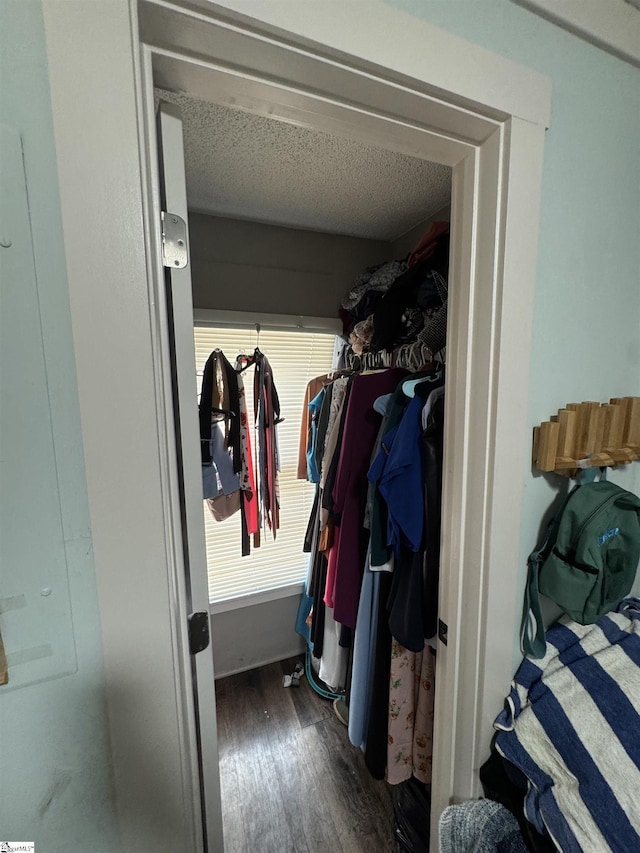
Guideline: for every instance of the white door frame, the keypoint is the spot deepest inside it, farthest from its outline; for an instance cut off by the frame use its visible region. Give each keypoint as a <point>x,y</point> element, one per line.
<point>191,52</point>
<point>439,98</point>
<point>175,328</point>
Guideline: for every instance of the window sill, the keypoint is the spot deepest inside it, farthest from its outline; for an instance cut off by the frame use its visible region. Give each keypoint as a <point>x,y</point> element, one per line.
<point>256,598</point>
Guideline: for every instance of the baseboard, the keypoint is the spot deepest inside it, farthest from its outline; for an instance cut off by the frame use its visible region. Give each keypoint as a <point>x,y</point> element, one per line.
<point>282,656</point>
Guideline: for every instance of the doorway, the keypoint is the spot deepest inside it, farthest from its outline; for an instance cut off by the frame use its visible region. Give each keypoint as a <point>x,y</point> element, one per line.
<point>331,252</point>
<point>487,116</point>
<point>476,489</point>
<point>286,219</point>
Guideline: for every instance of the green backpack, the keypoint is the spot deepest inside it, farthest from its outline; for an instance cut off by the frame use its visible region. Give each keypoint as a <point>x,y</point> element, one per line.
<point>587,561</point>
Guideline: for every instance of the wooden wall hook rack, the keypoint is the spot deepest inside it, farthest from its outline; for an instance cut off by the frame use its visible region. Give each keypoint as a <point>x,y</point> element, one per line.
<point>588,435</point>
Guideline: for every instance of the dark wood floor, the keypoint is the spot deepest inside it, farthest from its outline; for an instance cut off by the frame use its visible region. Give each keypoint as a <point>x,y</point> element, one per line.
<point>291,781</point>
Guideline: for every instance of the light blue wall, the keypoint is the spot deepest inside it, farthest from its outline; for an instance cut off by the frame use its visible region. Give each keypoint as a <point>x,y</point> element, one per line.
<point>55,786</point>
<point>586,328</point>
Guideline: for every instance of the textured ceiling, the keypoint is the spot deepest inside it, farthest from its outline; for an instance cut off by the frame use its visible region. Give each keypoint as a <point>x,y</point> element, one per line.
<point>245,166</point>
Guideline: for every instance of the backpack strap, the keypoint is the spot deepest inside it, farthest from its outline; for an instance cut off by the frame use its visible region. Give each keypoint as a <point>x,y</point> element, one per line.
<point>588,475</point>
<point>532,635</point>
<point>532,638</point>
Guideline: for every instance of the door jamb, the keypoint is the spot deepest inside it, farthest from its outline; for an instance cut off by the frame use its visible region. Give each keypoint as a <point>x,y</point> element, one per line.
<point>179,595</point>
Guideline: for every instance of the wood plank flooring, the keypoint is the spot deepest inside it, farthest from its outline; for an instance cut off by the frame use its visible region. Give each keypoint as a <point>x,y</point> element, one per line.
<point>291,780</point>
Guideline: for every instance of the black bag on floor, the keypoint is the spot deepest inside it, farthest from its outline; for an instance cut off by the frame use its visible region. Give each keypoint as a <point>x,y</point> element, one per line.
<point>412,809</point>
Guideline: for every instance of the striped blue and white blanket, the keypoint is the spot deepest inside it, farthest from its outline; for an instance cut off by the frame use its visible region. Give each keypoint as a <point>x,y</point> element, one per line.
<point>571,723</point>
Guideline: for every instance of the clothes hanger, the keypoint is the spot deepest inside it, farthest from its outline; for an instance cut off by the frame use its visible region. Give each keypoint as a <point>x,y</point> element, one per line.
<point>421,355</point>
<point>248,360</point>
<point>404,356</point>
<point>409,385</point>
<point>373,361</point>
<point>339,372</point>
<point>226,412</point>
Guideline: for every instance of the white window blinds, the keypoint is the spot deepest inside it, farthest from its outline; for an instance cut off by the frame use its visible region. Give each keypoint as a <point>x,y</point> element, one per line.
<point>296,357</point>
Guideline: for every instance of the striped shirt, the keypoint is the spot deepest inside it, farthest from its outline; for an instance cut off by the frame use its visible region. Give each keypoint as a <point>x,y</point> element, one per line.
<point>571,724</point>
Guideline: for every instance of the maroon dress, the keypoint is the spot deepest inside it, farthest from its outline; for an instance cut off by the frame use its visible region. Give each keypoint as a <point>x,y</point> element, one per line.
<point>350,488</point>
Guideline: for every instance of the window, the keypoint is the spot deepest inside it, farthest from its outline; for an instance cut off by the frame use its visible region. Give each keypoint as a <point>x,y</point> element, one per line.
<point>296,357</point>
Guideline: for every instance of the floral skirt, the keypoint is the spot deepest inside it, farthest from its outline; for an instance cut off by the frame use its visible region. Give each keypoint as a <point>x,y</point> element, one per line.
<point>411,694</point>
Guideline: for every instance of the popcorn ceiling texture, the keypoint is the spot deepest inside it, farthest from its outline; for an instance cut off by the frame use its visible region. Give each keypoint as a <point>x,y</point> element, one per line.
<point>249,167</point>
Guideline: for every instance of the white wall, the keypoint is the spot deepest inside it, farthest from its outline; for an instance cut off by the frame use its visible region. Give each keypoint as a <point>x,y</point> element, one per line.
<point>405,243</point>
<point>238,265</point>
<point>56,785</point>
<point>247,637</point>
<point>95,121</point>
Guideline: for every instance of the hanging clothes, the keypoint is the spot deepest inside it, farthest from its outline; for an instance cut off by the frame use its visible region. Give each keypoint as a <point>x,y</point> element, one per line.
<point>321,533</point>
<point>433,439</point>
<point>267,417</point>
<point>218,476</point>
<point>232,481</point>
<point>264,514</point>
<point>411,697</point>
<point>350,489</point>
<point>328,520</point>
<point>219,402</point>
<point>220,444</point>
<point>398,471</point>
<point>393,666</point>
<point>315,408</point>
<point>247,482</point>
<point>314,386</point>
<point>413,600</point>
<point>374,449</point>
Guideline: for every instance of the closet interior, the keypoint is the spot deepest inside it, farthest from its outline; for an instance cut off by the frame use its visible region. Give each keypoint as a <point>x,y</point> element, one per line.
<point>289,221</point>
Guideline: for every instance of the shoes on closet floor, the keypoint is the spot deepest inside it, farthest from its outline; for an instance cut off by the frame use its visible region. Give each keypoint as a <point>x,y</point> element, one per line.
<point>293,680</point>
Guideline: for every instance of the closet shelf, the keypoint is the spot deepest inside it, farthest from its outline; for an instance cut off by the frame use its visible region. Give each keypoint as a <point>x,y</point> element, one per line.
<point>588,435</point>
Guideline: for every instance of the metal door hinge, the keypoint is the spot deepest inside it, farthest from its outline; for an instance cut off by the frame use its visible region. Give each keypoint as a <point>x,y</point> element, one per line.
<point>198,632</point>
<point>174,241</point>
